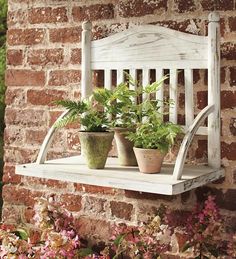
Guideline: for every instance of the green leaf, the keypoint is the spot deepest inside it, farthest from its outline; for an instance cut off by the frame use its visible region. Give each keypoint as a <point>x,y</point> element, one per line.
<point>22,233</point>
<point>85,251</point>
<point>119,239</point>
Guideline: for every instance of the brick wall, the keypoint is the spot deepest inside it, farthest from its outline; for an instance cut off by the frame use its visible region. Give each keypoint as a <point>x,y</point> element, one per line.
<point>44,64</point>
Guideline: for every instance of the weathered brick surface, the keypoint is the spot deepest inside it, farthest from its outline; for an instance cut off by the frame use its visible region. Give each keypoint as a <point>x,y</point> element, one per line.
<point>46,57</point>
<point>25,36</point>
<point>44,61</point>
<point>47,15</point>
<point>93,12</point>
<point>121,210</point>
<point>22,77</point>
<point>65,35</point>
<point>14,57</point>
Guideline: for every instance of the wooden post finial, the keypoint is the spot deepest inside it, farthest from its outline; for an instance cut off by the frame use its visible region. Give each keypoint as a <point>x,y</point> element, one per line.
<point>214,17</point>
<point>87,26</point>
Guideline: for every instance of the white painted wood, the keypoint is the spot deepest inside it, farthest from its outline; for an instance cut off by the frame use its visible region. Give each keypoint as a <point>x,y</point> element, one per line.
<point>48,140</point>
<point>160,92</point>
<point>108,79</point>
<point>146,46</point>
<point>86,82</point>
<point>189,103</point>
<point>180,160</point>
<point>145,81</point>
<point>120,76</point>
<point>73,169</point>
<point>214,157</point>
<point>133,74</point>
<point>173,96</point>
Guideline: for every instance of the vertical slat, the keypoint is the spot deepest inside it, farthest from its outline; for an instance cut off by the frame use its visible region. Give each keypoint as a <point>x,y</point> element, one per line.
<point>145,81</point>
<point>86,82</point>
<point>189,105</point>
<point>133,74</point>
<point>214,158</point>
<point>160,92</point>
<point>120,76</point>
<point>173,95</point>
<point>108,79</point>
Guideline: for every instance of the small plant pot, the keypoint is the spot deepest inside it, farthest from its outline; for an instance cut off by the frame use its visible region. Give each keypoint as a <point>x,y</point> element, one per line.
<point>125,150</point>
<point>95,147</point>
<point>149,160</point>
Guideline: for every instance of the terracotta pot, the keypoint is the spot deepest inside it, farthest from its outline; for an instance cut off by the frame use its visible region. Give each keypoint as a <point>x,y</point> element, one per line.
<point>95,147</point>
<point>125,151</point>
<point>149,160</point>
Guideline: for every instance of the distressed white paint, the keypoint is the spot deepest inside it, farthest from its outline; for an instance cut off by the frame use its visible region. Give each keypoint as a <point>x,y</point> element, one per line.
<point>120,76</point>
<point>180,160</point>
<point>73,169</point>
<point>145,82</point>
<point>149,46</point>
<point>189,104</point>
<point>160,92</point>
<point>108,79</point>
<point>86,82</point>
<point>173,96</point>
<point>133,74</point>
<point>214,158</point>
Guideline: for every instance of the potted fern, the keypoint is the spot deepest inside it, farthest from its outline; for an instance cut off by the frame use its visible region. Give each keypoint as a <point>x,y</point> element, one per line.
<point>95,137</point>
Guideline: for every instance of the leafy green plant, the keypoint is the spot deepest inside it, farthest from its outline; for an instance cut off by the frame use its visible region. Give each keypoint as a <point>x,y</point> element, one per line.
<point>88,112</point>
<point>155,134</point>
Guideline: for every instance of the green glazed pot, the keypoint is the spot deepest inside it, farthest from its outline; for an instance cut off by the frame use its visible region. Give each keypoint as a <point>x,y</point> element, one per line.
<point>95,147</point>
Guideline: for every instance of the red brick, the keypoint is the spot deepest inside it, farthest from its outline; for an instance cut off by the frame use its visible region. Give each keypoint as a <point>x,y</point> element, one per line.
<point>47,15</point>
<point>44,57</point>
<point>228,50</point>
<point>228,99</point>
<point>53,116</point>
<point>25,117</point>
<point>202,99</point>
<point>71,202</point>
<point>45,97</point>
<point>121,210</point>
<point>35,136</point>
<point>14,57</point>
<point>65,35</point>
<point>232,73</point>
<point>228,150</point>
<point>232,126</point>
<point>20,155</point>
<point>14,136</point>
<point>15,97</point>
<point>76,56</point>
<point>25,36</point>
<point>29,215</point>
<point>73,141</point>
<point>16,18</point>
<point>43,182</point>
<point>101,31</point>
<point>140,7</point>
<point>93,12</point>
<point>64,77</point>
<point>11,215</point>
<point>94,229</point>
<point>232,24</point>
<point>184,6</point>
<point>9,175</point>
<point>17,77</point>
<point>222,5</point>
<point>20,196</point>
<point>148,196</point>
<point>94,205</point>
<point>222,76</point>
<point>201,150</point>
<point>98,189</point>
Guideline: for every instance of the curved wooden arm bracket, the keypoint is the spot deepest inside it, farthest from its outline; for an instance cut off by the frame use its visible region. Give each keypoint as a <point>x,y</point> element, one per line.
<point>177,174</point>
<point>48,140</point>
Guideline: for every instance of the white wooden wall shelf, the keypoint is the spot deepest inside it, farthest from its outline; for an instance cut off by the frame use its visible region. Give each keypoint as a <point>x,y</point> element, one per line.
<point>148,47</point>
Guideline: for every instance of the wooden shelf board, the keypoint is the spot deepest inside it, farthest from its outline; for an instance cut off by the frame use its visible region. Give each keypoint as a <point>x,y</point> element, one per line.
<point>74,169</point>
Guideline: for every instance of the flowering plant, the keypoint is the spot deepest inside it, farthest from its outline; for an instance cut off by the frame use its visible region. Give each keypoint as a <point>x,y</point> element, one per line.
<point>197,234</point>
